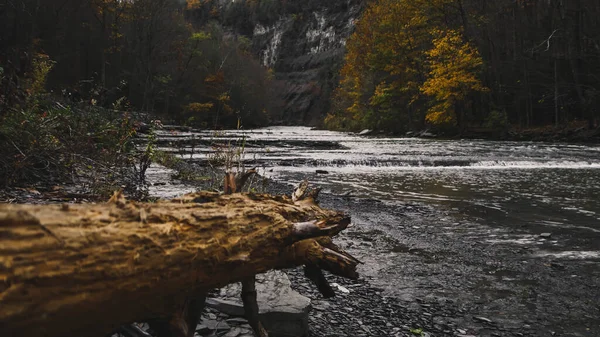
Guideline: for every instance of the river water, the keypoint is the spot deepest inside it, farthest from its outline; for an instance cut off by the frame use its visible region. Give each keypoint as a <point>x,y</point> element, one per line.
<point>513,228</point>
<point>543,186</point>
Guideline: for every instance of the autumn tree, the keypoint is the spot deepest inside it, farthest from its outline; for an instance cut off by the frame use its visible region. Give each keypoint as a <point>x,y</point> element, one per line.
<point>454,66</point>
<point>385,76</point>
<point>470,63</point>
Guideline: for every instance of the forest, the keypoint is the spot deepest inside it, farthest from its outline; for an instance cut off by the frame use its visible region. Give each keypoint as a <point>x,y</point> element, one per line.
<point>148,54</point>
<point>457,64</point>
<point>77,78</point>
<point>409,64</point>
<point>80,75</point>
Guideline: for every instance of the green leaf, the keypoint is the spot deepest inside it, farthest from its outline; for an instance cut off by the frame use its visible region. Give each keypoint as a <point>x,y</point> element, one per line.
<point>417,332</point>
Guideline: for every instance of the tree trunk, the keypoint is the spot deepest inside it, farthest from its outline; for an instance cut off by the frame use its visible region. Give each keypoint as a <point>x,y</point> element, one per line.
<point>556,115</point>
<point>529,103</point>
<point>84,270</point>
<point>103,53</point>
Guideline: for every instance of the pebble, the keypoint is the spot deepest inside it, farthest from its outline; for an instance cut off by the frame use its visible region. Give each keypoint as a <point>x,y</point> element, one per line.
<point>364,311</point>
<point>215,325</point>
<point>482,319</point>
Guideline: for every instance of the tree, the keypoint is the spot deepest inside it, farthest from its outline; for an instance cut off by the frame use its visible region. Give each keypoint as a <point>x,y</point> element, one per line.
<point>384,78</point>
<point>454,66</point>
<point>465,62</point>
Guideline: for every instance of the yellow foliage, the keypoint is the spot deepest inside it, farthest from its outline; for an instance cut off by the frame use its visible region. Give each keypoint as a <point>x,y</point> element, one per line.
<point>199,107</point>
<point>218,77</point>
<point>382,95</point>
<point>453,68</point>
<point>383,65</point>
<point>41,66</point>
<point>402,52</point>
<point>224,97</point>
<point>200,36</point>
<point>194,4</point>
<point>441,114</point>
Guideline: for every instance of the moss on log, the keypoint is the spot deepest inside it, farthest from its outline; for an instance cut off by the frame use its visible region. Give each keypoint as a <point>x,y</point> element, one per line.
<point>84,270</point>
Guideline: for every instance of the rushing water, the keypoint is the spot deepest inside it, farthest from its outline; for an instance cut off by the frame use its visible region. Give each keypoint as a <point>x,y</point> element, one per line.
<point>502,187</point>
<point>480,207</point>
<point>537,184</point>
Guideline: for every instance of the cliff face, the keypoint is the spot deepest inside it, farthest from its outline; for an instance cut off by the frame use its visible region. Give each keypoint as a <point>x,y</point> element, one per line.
<point>305,48</point>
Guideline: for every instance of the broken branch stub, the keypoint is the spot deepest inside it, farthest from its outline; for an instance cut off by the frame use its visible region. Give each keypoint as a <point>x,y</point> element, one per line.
<point>87,269</point>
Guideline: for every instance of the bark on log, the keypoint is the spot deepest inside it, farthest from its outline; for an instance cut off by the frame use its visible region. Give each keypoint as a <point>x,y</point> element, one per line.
<point>84,270</point>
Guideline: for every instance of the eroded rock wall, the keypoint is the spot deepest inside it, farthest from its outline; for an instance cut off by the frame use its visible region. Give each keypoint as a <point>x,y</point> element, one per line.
<point>305,49</point>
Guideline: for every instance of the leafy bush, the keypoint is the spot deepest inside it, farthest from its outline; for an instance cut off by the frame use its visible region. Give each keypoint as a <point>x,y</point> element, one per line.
<point>57,142</point>
<point>42,140</point>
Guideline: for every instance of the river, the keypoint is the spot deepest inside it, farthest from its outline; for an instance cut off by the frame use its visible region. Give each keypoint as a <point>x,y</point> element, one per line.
<point>486,222</point>
<point>542,186</point>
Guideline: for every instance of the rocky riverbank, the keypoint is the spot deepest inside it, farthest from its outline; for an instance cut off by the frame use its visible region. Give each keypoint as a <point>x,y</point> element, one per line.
<point>410,304</point>
<point>424,276</point>
<point>459,281</point>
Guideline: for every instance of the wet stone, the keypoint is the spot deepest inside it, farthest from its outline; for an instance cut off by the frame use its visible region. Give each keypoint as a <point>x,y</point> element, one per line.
<point>202,329</point>
<point>237,320</point>
<point>482,319</point>
<point>235,332</point>
<point>282,311</point>
<point>215,325</point>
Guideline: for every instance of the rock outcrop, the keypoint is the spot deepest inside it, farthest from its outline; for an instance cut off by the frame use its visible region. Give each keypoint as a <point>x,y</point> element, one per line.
<point>304,43</point>
<point>305,49</point>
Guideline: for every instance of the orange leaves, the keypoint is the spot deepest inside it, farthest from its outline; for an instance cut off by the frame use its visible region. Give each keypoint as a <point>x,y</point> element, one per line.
<point>440,114</point>
<point>199,107</point>
<point>216,78</point>
<point>193,4</point>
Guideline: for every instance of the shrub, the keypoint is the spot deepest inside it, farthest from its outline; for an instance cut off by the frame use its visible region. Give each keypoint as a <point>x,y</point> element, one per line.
<point>56,143</point>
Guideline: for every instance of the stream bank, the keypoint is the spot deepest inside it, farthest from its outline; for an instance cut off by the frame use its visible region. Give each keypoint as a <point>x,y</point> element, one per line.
<point>494,238</point>
<point>458,238</point>
<point>454,285</point>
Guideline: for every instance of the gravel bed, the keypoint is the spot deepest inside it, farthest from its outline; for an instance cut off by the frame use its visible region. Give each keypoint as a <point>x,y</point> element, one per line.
<point>359,309</point>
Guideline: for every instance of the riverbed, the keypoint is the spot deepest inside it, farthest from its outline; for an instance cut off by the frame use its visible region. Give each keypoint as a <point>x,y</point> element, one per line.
<point>507,231</point>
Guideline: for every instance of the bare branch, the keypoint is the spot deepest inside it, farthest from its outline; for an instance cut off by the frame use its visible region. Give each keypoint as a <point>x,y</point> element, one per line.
<point>545,42</point>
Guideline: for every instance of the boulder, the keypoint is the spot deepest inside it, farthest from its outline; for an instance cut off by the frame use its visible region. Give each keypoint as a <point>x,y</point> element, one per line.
<point>283,311</point>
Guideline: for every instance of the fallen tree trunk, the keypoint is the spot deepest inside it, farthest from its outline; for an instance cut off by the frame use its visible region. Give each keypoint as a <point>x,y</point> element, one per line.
<point>84,270</point>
